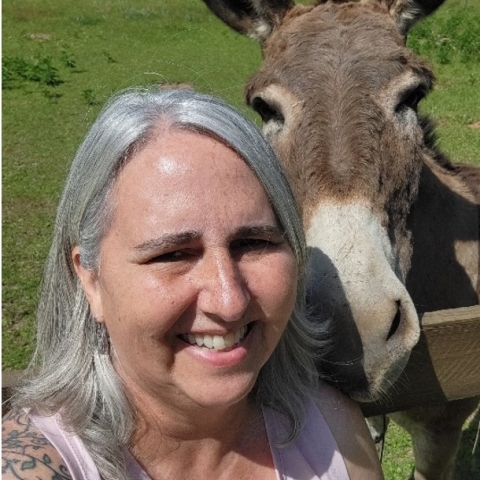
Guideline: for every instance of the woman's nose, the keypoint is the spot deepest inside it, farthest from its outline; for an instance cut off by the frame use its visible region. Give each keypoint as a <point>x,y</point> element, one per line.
<point>224,292</point>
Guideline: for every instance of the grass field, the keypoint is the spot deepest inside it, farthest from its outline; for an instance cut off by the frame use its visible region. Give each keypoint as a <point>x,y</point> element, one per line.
<point>61,61</point>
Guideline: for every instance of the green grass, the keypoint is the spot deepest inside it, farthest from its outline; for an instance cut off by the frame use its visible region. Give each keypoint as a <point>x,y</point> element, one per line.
<point>63,59</point>
<point>397,462</point>
<point>450,40</point>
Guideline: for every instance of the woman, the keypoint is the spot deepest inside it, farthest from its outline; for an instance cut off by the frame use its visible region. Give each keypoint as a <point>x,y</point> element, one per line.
<point>172,342</point>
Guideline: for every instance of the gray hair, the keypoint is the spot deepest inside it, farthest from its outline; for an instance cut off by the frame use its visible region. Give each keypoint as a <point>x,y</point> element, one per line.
<point>72,374</point>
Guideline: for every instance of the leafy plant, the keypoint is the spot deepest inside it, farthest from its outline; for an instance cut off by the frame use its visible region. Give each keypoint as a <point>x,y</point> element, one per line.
<point>89,97</point>
<point>68,59</point>
<point>17,69</point>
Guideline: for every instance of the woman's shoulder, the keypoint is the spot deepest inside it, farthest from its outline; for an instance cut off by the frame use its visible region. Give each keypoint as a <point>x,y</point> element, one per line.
<point>26,452</point>
<point>348,426</point>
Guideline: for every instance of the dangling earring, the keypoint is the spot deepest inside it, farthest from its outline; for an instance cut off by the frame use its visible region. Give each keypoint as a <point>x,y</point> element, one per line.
<point>103,339</point>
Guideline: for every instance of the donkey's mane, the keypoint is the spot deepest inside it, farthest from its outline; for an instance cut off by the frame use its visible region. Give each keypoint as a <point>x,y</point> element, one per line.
<point>430,139</point>
<point>469,174</point>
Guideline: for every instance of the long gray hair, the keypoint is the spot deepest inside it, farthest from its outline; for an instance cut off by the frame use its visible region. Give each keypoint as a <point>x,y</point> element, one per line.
<point>73,373</point>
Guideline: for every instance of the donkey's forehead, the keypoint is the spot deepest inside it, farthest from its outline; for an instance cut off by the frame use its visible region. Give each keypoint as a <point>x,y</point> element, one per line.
<point>359,20</point>
<point>333,50</point>
<point>322,40</point>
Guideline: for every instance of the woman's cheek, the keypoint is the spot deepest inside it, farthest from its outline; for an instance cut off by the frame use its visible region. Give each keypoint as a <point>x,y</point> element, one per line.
<point>279,284</point>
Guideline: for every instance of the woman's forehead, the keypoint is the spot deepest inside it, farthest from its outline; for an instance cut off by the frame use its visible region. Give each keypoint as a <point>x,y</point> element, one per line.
<point>186,176</point>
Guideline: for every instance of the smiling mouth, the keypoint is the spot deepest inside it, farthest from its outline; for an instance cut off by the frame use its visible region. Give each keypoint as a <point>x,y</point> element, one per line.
<point>217,342</point>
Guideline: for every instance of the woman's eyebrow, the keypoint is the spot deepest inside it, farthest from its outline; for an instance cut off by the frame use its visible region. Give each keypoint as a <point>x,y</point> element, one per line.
<point>260,231</point>
<point>168,240</point>
<point>173,240</point>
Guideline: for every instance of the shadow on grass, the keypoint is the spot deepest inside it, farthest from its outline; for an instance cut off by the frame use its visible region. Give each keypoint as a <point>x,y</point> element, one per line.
<point>468,460</point>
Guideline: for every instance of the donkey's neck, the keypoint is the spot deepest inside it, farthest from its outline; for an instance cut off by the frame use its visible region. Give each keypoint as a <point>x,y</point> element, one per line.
<point>445,223</point>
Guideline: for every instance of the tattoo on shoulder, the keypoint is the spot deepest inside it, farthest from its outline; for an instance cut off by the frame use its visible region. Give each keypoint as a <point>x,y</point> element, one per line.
<point>26,453</point>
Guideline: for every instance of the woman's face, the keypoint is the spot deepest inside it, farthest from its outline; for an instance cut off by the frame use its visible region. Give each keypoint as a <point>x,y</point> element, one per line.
<point>196,282</point>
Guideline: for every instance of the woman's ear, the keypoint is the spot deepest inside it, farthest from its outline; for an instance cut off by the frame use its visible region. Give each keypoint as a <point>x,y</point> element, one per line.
<point>90,284</point>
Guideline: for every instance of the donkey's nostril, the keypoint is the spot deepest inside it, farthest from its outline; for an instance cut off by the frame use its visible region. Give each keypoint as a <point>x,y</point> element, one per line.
<point>396,322</point>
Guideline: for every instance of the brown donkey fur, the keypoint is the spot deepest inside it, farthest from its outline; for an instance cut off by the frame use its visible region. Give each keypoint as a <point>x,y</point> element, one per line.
<point>392,225</point>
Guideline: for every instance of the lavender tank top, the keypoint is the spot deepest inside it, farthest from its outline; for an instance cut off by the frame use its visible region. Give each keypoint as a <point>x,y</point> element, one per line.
<point>313,456</point>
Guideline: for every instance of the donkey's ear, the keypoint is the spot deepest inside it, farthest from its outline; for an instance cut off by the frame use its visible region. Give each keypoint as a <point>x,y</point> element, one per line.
<point>407,12</point>
<point>254,18</point>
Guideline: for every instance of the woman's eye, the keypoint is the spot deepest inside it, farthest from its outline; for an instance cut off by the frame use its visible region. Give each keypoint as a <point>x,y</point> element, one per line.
<point>175,256</point>
<point>246,245</point>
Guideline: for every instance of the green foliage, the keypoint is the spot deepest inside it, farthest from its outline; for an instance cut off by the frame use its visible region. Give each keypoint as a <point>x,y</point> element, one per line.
<point>40,70</point>
<point>89,97</point>
<point>68,59</point>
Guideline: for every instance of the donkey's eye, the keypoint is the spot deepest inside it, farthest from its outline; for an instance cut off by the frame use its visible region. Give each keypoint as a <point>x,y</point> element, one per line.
<point>267,111</point>
<point>411,98</point>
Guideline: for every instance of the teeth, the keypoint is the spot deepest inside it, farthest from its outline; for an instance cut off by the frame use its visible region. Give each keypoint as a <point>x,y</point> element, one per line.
<point>229,340</point>
<point>208,341</point>
<point>216,342</point>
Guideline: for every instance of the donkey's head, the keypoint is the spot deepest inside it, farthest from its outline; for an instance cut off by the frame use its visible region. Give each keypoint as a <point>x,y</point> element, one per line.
<point>338,93</point>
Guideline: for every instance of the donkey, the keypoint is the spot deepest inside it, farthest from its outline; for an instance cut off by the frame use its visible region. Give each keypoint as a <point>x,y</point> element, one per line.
<point>392,225</point>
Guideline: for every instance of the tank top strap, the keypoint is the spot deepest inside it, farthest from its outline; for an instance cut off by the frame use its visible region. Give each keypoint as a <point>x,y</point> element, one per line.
<point>76,457</point>
<point>314,455</point>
